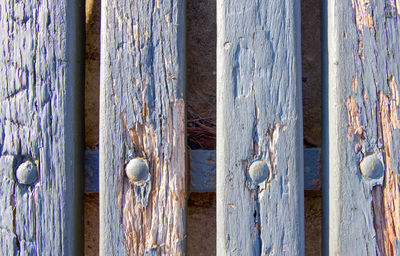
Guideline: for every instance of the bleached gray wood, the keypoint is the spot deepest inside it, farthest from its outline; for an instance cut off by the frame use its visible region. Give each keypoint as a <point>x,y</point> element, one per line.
<point>142,114</point>
<point>259,116</point>
<point>363,61</point>
<point>40,120</point>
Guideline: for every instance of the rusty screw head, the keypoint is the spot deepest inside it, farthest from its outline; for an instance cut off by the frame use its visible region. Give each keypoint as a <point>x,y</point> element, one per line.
<point>372,167</point>
<point>258,171</point>
<point>26,173</point>
<point>137,169</point>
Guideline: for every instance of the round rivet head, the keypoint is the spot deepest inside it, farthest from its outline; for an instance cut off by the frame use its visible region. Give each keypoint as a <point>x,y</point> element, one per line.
<point>258,171</point>
<point>137,169</point>
<point>26,173</point>
<point>372,167</point>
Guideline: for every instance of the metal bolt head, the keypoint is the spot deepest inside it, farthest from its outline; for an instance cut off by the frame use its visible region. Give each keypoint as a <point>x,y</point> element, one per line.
<point>372,167</point>
<point>27,173</point>
<point>137,169</point>
<point>258,171</point>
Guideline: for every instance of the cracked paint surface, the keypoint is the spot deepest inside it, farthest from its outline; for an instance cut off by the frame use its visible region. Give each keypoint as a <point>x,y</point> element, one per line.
<point>38,105</point>
<point>363,16</point>
<point>259,118</point>
<point>142,68</point>
<point>364,57</point>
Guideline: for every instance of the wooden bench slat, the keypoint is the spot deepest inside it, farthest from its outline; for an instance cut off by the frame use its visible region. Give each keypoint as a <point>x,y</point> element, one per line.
<point>142,114</point>
<point>362,137</point>
<point>41,114</point>
<point>259,117</point>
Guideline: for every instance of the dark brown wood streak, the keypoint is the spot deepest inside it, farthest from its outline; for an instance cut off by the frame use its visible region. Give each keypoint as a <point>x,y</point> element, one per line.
<point>386,198</point>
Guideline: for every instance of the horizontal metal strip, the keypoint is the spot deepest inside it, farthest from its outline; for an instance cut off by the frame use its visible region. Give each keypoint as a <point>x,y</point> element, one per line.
<point>202,170</point>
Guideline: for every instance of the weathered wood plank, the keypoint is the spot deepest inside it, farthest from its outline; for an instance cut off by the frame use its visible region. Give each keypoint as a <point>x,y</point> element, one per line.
<point>142,114</point>
<point>41,145</point>
<point>363,61</point>
<point>259,117</point>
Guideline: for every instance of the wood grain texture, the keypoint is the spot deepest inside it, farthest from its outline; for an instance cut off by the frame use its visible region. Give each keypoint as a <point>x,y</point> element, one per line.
<point>142,113</point>
<point>363,61</point>
<point>41,56</point>
<point>259,116</point>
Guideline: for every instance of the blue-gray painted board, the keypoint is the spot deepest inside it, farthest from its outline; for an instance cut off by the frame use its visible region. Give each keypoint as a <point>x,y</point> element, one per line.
<point>203,170</point>
<point>259,117</point>
<point>41,106</point>
<point>362,58</point>
<point>142,114</point>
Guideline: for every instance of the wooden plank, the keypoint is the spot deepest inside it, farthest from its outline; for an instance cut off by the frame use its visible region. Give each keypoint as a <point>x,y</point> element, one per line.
<point>41,144</point>
<point>363,61</point>
<point>259,118</point>
<point>142,114</point>
<point>203,170</point>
